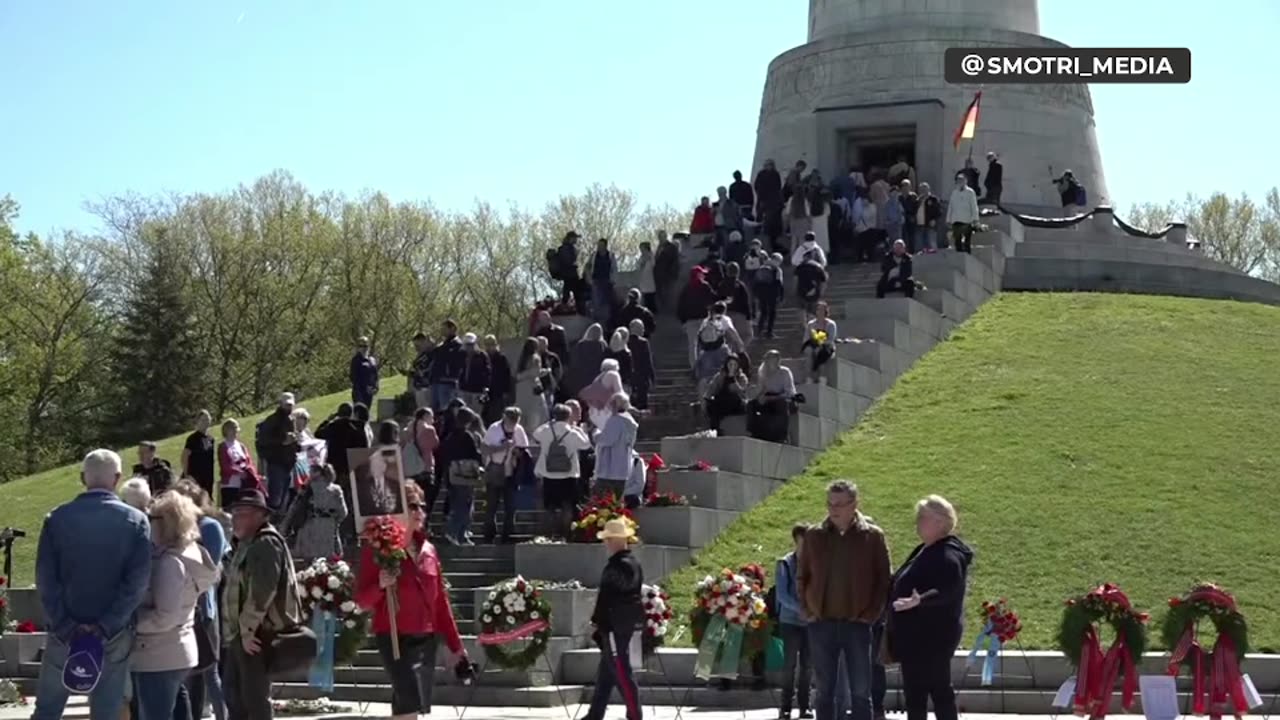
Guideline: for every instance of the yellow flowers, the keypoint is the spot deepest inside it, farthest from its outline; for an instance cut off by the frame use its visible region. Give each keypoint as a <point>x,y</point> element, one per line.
<point>819,336</point>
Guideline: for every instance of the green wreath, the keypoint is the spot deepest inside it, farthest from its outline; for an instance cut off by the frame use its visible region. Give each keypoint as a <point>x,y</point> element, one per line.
<point>1103,605</point>
<point>510,606</point>
<point>1204,601</point>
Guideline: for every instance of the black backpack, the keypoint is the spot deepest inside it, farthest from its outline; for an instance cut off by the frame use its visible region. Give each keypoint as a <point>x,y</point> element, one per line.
<point>553,263</point>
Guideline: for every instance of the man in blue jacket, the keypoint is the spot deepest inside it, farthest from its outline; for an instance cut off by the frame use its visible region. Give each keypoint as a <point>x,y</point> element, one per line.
<point>93,565</point>
<point>364,374</point>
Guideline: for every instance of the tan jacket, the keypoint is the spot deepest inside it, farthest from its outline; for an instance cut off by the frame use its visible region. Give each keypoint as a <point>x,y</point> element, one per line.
<point>844,576</point>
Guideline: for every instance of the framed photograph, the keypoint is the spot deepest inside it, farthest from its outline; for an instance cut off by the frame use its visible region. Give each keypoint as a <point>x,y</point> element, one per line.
<point>377,481</point>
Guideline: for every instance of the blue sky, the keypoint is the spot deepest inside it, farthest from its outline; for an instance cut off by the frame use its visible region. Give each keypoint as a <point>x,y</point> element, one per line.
<point>521,101</point>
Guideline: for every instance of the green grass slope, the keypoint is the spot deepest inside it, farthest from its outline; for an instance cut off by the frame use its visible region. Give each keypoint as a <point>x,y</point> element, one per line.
<point>1083,438</point>
<point>25,502</point>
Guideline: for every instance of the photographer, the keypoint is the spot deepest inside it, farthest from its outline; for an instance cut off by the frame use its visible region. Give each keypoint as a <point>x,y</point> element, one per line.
<point>769,414</point>
<point>424,616</point>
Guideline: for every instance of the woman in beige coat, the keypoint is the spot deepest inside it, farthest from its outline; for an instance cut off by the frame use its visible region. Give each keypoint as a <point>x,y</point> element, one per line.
<point>165,650</point>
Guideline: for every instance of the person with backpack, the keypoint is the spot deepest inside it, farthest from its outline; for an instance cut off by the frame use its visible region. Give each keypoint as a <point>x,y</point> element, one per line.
<point>717,340</point>
<point>562,265</point>
<point>315,518</point>
<point>505,446</point>
<point>560,444</point>
<point>793,622</point>
<point>768,286</point>
<point>1073,194</point>
<point>811,280</point>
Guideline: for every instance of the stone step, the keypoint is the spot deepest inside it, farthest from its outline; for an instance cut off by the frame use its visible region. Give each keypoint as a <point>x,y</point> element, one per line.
<point>560,562</point>
<point>691,527</point>
<point>825,401</point>
<point>743,455</point>
<point>718,489</point>
<point>906,310</point>
<point>843,375</point>
<point>805,431</point>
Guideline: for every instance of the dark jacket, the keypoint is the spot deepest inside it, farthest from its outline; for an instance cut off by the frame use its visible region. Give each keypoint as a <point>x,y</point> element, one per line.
<point>421,369</point>
<point>568,261</point>
<point>276,448</point>
<point>364,374</point>
<point>446,362</point>
<point>910,204</point>
<point>935,626</point>
<point>971,176</point>
<point>740,192</point>
<point>626,364</point>
<point>159,476</point>
<point>618,605</point>
<point>584,365</point>
<point>501,384</point>
<point>932,209</point>
<point>460,444</point>
<point>694,301</point>
<point>475,373</point>
<point>904,266</point>
<point>995,175</point>
<point>809,278</point>
<point>739,300</point>
<point>635,311</point>
<point>602,267</point>
<point>643,373</point>
<point>341,434</point>
<point>666,264</point>
<point>557,340</point>
<point>769,188</point>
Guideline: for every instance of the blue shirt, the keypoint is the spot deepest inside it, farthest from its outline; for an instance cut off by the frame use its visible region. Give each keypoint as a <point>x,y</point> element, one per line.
<point>214,539</point>
<point>93,564</point>
<point>790,611</point>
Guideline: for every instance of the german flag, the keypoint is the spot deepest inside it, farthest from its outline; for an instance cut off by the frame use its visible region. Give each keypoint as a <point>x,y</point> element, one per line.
<point>970,123</point>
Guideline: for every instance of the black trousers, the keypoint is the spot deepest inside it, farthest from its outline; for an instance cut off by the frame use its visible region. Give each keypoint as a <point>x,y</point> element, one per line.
<point>928,678</point>
<point>961,235</point>
<point>576,288</point>
<point>247,685</point>
<point>866,243</point>
<point>886,286</point>
<point>993,195</point>
<point>768,312</point>
<point>797,674</point>
<point>500,495</point>
<point>650,300</point>
<point>412,676</point>
<point>640,396</point>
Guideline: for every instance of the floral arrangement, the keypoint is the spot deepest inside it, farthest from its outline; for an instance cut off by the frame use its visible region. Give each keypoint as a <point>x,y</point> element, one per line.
<point>515,610</point>
<point>1216,678</point>
<point>657,618</point>
<point>1079,639</point>
<point>328,585</point>
<point>599,511</point>
<point>666,499</point>
<point>295,707</point>
<point>738,597</point>
<point>389,541</point>
<point>1002,620</point>
<point>10,695</point>
<point>26,626</point>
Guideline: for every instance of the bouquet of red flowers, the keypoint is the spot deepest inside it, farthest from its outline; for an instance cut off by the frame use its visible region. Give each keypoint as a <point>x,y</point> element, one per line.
<point>1003,621</point>
<point>599,511</point>
<point>666,499</point>
<point>657,617</point>
<point>390,544</point>
<point>389,541</point>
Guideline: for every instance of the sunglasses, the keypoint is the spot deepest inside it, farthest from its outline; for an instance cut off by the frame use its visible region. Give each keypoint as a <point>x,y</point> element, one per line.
<point>415,506</point>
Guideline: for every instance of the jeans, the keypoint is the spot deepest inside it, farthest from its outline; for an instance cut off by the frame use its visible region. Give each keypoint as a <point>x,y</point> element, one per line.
<point>615,671</point>
<point>829,642</point>
<point>797,673</point>
<point>926,678</point>
<point>362,396</point>
<point>157,692</point>
<point>461,505</point>
<point>893,232</point>
<point>768,313</point>
<point>248,686</point>
<point>279,479</point>
<point>879,681</point>
<point>207,685</point>
<point>503,495</point>
<point>441,395</point>
<point>601,301</point>
<point>106,700</point>
<point>922,238</point>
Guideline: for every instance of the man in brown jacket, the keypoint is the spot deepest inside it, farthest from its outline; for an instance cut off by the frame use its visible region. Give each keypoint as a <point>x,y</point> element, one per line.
<point>843,581</point>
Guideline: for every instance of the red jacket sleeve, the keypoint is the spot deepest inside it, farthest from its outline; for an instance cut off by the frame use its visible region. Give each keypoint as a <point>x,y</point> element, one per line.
<point>443,623</point>
<point>368,594</point>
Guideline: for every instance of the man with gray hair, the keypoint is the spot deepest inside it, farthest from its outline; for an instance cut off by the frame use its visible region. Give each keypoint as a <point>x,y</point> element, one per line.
<point>93,566</point>
<point>843,580</point>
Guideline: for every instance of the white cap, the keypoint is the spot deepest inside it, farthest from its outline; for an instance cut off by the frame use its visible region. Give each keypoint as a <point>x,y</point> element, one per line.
<point>469,339</point>
<point>286,397</point>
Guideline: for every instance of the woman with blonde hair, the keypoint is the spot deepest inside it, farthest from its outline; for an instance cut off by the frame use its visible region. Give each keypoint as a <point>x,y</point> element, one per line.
<point>926,620</point>
<point>207,683</point>
<point>166,648</point>
<point>136,493</point>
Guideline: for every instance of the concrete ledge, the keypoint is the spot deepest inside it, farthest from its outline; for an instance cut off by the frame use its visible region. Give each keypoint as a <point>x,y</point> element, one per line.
<point>884,358</point>
<point>806,431</point>
<point>570,611</point>
<point>17,649</point>
<point>906,310</point>
<point>743,455</point>
<point>584,561</point>
<point>718,489</point>
<point>843,375</point>
<point>686,527</point>
<point>828,403</point>
<point>945,303</point>
<point>883,328</point>
<point>1140,278</point>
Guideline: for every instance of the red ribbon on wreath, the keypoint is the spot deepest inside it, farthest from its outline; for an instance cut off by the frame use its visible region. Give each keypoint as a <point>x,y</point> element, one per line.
<point>1096,677</point>
<point>510,636</point>
<point>1224,683</point>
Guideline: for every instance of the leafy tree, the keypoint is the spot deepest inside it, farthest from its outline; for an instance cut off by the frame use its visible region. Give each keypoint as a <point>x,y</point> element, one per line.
<point>1241,233</point>
<point>157,358</point>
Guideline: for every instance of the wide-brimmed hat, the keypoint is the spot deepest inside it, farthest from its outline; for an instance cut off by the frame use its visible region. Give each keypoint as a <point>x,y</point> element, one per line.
<point>616,528</point>
<point>253,499</point>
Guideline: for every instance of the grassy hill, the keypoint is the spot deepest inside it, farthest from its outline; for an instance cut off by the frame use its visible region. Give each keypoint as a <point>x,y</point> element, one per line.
<point>1083,438</point>
<point>25,502</point>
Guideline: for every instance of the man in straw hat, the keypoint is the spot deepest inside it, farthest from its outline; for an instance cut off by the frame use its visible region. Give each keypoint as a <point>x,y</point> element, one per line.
<point>618,617</point>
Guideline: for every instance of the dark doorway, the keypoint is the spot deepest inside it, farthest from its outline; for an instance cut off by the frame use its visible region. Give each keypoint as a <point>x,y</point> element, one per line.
<point>869,148</point>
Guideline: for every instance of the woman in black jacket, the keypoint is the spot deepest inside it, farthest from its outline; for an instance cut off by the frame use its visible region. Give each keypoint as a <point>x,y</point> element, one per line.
<point>460,449</point>
<point>927,616</point>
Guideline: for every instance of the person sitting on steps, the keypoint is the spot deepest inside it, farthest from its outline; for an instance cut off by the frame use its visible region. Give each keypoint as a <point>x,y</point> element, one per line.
<point>769,414</point>
<point>728,393</point>
<point>895,272</point>
<point>820,340</point>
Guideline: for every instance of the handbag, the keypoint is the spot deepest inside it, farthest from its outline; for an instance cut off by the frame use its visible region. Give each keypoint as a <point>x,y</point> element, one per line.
<point>495,474</point>
<point>290,651</point>
<point>413,462</point>
<point>465,473</point>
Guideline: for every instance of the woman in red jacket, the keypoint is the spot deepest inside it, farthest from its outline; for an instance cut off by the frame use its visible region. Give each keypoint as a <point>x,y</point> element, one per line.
<point>424,616</point>
<point>235,465</point>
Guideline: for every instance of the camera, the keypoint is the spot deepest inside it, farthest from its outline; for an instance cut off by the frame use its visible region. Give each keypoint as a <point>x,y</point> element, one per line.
<point>466,671</point>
